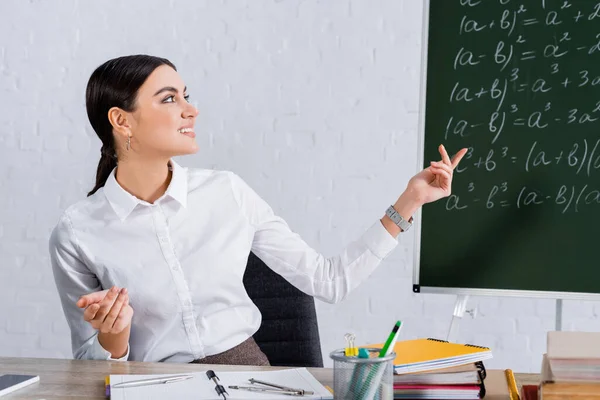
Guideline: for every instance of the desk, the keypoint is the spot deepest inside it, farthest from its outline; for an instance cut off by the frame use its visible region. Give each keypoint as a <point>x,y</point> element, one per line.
<point>70,379</point>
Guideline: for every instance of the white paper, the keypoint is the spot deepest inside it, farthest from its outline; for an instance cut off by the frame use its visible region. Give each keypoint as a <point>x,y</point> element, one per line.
<point>200,387</point>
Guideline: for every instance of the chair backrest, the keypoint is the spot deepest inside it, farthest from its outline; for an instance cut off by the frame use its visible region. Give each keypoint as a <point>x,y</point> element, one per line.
<point>289,333</point>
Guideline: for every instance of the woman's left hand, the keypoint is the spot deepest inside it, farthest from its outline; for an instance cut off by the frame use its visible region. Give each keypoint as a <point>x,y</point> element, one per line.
<point>435,181</point>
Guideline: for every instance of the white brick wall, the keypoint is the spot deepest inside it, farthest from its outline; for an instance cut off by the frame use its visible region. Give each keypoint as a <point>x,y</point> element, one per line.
<point>313,102</point>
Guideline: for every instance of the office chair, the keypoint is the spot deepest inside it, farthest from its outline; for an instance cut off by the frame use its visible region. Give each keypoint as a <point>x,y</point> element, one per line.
<point>289,333</point>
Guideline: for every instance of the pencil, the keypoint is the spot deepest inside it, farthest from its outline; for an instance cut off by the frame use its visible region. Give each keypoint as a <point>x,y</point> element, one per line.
<point>107,386</point>
<point>512,385</point>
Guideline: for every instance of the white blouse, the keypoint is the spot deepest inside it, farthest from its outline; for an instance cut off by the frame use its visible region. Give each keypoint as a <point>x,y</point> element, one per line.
<point>182,260</point>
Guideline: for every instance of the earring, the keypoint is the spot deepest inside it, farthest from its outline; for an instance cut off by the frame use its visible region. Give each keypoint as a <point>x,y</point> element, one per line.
<point>128,142</point>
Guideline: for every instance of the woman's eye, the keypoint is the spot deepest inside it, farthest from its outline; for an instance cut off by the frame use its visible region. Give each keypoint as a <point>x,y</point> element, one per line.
<point>171,99</point>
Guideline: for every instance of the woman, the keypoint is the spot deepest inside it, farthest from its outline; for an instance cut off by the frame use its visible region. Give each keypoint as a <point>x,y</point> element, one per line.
<point>172,243</point>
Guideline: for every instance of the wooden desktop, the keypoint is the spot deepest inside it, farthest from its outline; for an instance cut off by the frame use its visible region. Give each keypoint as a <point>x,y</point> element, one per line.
<point>64,378</point>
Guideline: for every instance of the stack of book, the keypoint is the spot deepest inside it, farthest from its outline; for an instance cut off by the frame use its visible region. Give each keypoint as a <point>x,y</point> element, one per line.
<point>436,369</point>
<point>571,366</point>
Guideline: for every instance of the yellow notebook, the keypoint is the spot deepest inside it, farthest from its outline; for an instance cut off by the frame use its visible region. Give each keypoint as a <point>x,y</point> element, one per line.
<point>430,354</point>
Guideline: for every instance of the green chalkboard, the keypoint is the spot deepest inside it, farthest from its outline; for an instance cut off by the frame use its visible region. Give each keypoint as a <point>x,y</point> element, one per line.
<point>518,83</point>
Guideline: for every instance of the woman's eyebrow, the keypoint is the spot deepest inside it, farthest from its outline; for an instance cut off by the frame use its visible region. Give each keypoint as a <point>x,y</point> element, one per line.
<point>169,89</point>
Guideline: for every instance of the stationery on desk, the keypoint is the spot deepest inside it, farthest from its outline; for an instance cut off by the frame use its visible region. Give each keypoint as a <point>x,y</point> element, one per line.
<point>573,356</point>
<point>360,374</point>
<point>529,392</point>
<point>513,391</point>
<point>351,350</point>
<point>423,369</point>
<point>376,374</point>
<point>571,366</point>
<point>430,354</point>
<point>459,375</point>
<point>266,385</point>
<point>436,369</point>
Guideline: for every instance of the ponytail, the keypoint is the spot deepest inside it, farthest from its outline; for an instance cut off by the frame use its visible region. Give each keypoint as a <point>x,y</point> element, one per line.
<point>108,162</point>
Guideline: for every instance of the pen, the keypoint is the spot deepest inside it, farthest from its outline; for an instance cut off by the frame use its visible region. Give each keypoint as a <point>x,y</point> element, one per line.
<point>219,388</point>
<point>152,381</point>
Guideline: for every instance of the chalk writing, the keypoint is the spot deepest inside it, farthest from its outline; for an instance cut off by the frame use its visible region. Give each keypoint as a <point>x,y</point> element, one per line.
<point>524,98</point>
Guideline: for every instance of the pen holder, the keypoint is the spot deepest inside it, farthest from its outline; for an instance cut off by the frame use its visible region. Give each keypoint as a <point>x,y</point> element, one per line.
<point>363,378</point>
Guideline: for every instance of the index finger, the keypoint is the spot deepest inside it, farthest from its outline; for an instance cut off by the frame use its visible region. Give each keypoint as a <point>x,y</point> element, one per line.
<point>458,156</point>
<point>95,297</point>
<point>444,153</point>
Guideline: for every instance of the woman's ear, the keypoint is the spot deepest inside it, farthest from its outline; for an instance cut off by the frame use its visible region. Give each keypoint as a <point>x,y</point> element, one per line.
<point>120,121</point>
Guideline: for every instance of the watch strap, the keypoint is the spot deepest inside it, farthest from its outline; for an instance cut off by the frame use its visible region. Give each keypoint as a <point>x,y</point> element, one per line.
<point>403,224</point>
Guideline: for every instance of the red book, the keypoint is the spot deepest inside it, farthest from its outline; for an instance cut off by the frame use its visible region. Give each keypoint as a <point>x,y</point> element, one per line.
<point>529,392</point>
<point>438,391</point>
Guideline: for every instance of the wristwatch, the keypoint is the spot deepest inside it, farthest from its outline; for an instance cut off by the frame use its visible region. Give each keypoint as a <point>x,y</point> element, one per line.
<point>403,224</point>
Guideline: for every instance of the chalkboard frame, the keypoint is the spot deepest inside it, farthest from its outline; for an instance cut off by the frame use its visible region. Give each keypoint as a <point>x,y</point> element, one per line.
<point>417,288</point>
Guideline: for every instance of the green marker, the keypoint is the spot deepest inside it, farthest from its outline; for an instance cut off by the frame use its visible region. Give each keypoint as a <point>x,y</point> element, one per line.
<point>392,338</point>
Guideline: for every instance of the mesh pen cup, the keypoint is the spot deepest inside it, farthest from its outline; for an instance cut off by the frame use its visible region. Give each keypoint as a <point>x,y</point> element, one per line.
<point>363,378</point>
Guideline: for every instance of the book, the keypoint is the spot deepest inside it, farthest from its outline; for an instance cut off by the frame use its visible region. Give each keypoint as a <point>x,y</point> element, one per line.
<point>462,382</point>
<point>467,374</point>
<point>572,357</point>
<point>571,366</point>
<point>438,392</point>
<point>571,345</point>
<point>529,392</point>
<point>431,354</point>
<point>200,387</point>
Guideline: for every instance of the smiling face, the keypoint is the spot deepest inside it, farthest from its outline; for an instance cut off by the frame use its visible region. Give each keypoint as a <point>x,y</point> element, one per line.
<point>162,124</point>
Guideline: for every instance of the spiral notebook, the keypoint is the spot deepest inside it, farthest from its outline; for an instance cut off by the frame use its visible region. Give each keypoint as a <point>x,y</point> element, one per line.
<point>431,354</point>
<point>461,375</point>
<point>468,384</point>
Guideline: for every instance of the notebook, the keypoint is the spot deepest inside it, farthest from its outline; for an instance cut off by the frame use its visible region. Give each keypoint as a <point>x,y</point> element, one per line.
<point>430,354</point>
<point>201,388</point>
<point>462,382</point>
<point>439,392</point>
<point>461,375</point>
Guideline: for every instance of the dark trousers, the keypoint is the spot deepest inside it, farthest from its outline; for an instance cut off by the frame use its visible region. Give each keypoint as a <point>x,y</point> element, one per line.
<point>245,353</point>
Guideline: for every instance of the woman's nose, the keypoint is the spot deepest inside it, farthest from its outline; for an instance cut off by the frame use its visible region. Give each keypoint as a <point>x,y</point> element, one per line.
<point>190,111</point>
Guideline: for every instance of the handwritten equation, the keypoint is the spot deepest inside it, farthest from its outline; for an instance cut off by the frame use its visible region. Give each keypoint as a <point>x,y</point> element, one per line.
<point>568,197</point>
<point>524,98</point>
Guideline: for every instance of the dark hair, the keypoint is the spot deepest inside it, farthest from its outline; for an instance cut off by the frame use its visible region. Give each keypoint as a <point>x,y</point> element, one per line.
<point>115,84</point>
